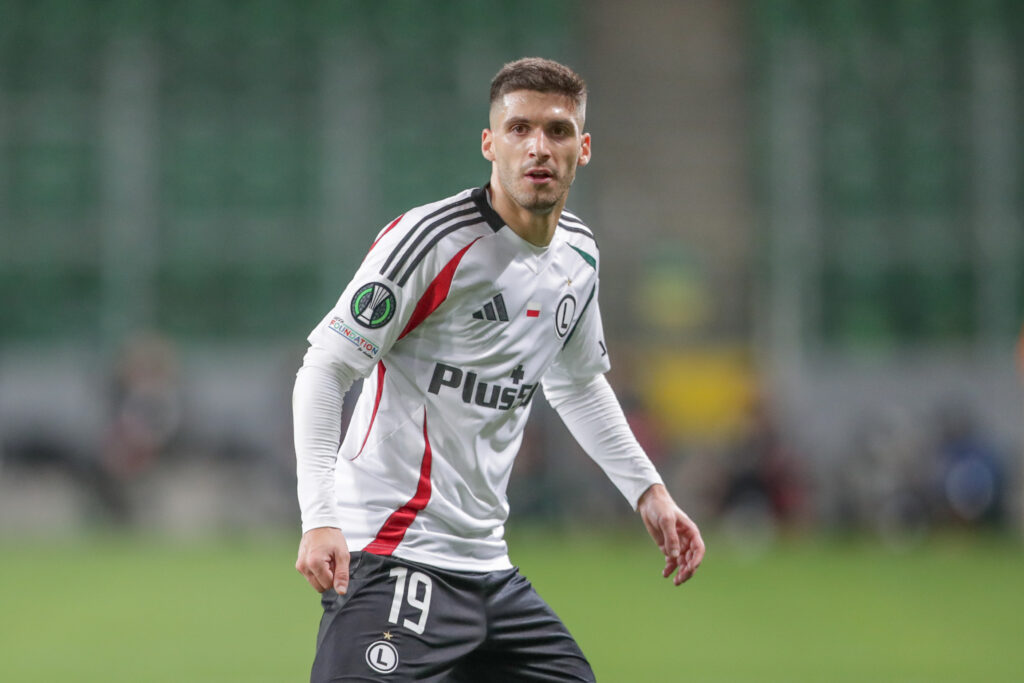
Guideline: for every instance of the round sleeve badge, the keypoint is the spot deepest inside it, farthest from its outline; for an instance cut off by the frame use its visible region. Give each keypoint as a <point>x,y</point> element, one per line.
<point>373,305</point>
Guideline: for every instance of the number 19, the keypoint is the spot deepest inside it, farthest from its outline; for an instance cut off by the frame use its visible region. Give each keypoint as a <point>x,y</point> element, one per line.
<point>416,579</point>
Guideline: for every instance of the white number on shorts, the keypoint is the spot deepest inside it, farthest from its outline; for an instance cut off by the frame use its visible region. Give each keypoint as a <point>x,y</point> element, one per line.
<point>416,579</point>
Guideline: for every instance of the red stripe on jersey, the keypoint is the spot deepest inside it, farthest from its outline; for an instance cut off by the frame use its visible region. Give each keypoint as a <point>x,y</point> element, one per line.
<point>533,314</point>
<point>376,403</point>
<point>386,231</point>
<point>436,292</point>
<point>393,531</point>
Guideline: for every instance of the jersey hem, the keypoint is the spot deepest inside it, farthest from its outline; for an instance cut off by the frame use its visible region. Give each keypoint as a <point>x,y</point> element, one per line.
<point>460,564</point>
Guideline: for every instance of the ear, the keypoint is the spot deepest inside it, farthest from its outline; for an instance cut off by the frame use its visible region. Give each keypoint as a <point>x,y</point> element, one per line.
<point>487,144</point>
<point>584,150</point>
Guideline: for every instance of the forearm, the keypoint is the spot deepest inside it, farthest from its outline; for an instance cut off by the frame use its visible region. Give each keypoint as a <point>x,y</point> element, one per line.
<point>594,417</point>
<point>317,400</point>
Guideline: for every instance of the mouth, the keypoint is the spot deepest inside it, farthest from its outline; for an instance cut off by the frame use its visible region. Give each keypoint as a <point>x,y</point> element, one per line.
<point>540,176</point>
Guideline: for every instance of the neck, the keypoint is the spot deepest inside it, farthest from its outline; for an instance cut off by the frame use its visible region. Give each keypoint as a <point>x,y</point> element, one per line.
<point>536,228</point>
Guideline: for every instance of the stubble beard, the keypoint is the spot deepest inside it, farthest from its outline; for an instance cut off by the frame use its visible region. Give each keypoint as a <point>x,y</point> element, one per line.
<point>536,200</point>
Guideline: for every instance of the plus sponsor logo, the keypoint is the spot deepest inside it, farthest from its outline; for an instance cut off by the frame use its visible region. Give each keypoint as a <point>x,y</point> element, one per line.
<point>369,348</point>
<point>485,394</point>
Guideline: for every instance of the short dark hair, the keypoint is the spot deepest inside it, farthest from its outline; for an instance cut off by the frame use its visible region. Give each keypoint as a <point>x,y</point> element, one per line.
<point>540,75</point>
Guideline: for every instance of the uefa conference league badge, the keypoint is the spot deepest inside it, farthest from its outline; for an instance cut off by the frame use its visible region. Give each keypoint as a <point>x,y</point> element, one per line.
<point>373,305</point>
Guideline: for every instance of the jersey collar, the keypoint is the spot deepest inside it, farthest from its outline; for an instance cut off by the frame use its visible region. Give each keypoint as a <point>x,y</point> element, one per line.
<point>483,204</point>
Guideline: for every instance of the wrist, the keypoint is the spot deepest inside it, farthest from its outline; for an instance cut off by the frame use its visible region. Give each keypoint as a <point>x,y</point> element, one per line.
<point>653,492</point>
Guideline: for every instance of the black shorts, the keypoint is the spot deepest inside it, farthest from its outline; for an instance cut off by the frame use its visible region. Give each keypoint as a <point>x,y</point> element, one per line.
<point>403,621</point>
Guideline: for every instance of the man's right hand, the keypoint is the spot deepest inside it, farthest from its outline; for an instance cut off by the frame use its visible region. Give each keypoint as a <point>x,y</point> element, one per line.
<point>323,559</point>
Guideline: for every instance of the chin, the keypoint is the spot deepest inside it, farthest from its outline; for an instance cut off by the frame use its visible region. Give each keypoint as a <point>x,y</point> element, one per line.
<point>542,206</point>
<point>541,202</point>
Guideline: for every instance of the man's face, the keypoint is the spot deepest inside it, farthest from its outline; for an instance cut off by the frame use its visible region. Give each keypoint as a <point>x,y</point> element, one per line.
<point>536,141</point>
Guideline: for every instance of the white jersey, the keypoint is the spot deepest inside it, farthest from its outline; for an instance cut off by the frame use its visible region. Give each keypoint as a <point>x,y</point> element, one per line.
<point>453,319</point>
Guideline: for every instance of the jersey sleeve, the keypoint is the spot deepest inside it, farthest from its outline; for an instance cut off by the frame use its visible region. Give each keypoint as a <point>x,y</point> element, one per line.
<point>594,417</point>
<point>374,309</point>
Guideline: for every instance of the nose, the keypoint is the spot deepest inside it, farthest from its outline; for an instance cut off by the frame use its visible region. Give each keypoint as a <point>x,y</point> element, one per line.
<point>539,146</point>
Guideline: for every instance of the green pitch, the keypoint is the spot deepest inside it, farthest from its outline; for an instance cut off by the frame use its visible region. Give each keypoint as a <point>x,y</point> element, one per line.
<point>126,609</point>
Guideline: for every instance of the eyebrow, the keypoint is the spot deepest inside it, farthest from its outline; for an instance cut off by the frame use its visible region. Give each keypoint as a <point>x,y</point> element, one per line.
<point>553,122</point>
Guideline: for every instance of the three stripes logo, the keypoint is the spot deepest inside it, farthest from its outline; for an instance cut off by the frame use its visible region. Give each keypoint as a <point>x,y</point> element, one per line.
<point>493,310</point>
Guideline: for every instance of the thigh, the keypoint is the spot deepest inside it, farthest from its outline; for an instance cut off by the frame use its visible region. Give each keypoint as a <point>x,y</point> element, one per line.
<point>398,621</point>
<point>526,640</point>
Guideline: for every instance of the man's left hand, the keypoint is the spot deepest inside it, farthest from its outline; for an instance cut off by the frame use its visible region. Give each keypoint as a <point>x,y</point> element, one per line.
<point>675,533</point>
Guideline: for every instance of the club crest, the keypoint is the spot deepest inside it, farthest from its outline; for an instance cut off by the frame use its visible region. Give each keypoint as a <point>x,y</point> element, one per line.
<point>382,656</point>
<point>564,314</point>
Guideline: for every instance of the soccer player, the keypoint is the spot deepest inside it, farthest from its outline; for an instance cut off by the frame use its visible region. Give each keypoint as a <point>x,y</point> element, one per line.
<point>460,311</point>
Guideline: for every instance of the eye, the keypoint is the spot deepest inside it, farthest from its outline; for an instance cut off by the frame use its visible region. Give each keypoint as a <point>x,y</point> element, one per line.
<point>519,128</point>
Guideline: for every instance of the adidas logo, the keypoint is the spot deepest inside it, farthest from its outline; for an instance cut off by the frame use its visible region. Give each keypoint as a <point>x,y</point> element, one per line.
<point>493,310</point>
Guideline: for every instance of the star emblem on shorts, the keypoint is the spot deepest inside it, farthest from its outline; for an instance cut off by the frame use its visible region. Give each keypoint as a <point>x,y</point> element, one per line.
<point>387,635</point>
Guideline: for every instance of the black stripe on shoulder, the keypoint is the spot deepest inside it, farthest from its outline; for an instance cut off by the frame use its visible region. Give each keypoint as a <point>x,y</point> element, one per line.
<point>572,218</point>
<point>408,235</point>
<point>568,219</point>
<point>422,234</point>
<point>476,220</point>
<point>577,229</point>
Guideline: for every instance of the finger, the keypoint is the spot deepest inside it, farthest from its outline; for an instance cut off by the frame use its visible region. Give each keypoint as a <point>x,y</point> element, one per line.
<point>341,573</point>
<point>685,573</point>
<point>655,531</point>
<point>692,559</point>
<point>689,530</point>
<point>309,570</point>
<point>321,575</point>
<point>686,569</point>
<point>670,565</point>
<point>670,531</point>
<point>304,568</point>
<point>691,539</point>
<point>696,552</point>
<point>682,576</point>
<point>315,582</point>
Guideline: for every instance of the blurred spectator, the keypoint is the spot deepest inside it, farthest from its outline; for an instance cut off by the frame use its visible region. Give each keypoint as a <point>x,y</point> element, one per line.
<point>883,481</point>
<point>36,448</point>
<point>763,477</point>
<point>971,474</point>
<point>146,410</point>
<point>144,420</point>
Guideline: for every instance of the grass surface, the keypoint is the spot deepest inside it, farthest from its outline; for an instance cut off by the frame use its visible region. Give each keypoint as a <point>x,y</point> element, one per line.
<point>129,609</point>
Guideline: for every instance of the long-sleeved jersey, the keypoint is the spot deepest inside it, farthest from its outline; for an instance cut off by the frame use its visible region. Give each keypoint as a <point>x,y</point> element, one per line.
<point>455,322</point>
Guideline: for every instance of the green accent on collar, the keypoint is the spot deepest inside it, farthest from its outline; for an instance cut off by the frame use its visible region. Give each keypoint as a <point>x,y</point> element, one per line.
<point>586,257</point>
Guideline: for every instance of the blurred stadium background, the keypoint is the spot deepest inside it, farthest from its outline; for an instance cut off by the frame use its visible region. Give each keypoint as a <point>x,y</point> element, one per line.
<point>810,215</point>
